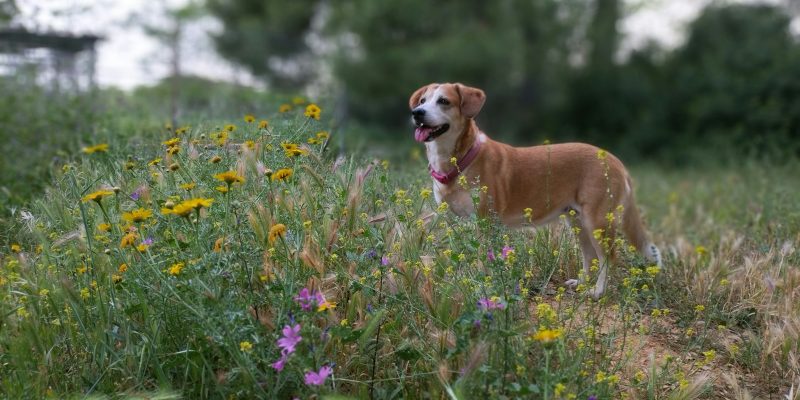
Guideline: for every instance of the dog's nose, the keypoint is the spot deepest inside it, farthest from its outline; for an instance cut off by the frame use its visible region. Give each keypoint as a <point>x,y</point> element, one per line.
<point>418,112</point>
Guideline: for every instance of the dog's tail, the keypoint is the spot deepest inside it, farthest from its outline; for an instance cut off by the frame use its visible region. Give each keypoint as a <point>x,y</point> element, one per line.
<point>636,234</point>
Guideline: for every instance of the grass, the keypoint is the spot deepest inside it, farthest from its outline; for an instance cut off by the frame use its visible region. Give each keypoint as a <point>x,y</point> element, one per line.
<point>387,289</point>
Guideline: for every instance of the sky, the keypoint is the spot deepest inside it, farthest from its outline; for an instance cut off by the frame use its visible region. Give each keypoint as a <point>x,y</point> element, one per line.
<point>128,57</point>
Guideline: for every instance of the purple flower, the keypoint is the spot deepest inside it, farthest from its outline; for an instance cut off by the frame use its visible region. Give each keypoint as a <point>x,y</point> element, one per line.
<point>592,397</point>
<point>318,378</point>
<point>278,365</point>
<point>384,261</point>
<point>305,298</point>
<point>291,336</point>
<point>148,241</point>
<point>488,304</point>
<point>506,250</point>
<point>490,255</point>
<point>135,195</point>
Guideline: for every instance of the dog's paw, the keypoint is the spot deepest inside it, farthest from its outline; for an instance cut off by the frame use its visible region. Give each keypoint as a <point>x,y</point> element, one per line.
<point>595,293</point>
<point>571,283</point>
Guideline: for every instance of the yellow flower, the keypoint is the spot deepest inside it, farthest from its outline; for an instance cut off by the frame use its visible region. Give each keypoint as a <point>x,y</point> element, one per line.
<point>222,137</point>
<point>277,230</point>
<point>326,305</point>
<point>136,216</point>
<point>222,189</point>
<point>176,268</point>
<point>323,135</point>
<point>215,159</point>
<point>425,193</point>
<point>116,278</point>
<point>218,244</point>
<point>700,250</point>
<point>173,150</point>
<point>96,196</point>
<point>172,142</point>
<point>185,207</point>
<point>98,148</point>
<point>297,100</point>
<point>263,124</point>
<point>547,335</point>
<point>250,145</point>
<point>602,154</point>
<point>249,118</point>
<point>127,240</point>
<point>15,248</point>
<point>229,177</point>
<point>313,111</point>
<point>142,247</point>
<point>188,186</point>
<point>282,174</point>
<point>104,227</point>
<point>154,162</point>
<point>122,268</point>
<point>284,108</point>
<point>245,346</point>
<point>229,128</point>
<point>44,292</point>
<point>85,293</point>
<point>699,308</point>
<point>559,389</point>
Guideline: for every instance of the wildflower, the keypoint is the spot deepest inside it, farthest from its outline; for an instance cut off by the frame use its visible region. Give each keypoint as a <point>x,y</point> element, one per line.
<point>488,304</point>
<point>81,270</point>
<point>318,378</point>
<point>136,216</point>
<point>176,268</point>
<point>278,365</point>
<point>250,145</point>
<point>305,299</point>
<point>249,118</point>
<point>282,174</point>
<point>85,293</point>
<point>263,124</point>
<point>215,159</point>
<point>297,100</point>
<point>229,177</point>
<point>188,186</point>
<point>185,207</point>
<point>230,128</point>
<point>122,268</point>
<point>325,304</point>
<point>507,250</point>
<point>218,245</point>
<point>384,261</point>
<point>292,149</point>
<point>15,248</point>
<point>602,154</point>
<point>116,278</point>
<point>443,207</point>
<point>291,336</point>
<point>128,240</point>
<point>172,142</point>
<point>104,227</point>
<point>96,196</point>
<point>547,335</point>
<point>323,135</point>
<point>277,230</point>
<point>44,292</point>
<point>425,193</point>
<point>313,111</point>
<point>559,389</point>
<point>245,346</point>
<point>699,308</point>
<point>284,108</point>
<point>154,162</point>
<point>653,270</point>
<point>490,255</point>
<point>98,148</point>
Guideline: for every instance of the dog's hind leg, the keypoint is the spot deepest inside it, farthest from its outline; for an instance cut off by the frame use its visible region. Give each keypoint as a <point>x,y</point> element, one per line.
<point>588,253</point>
<point>634,231</point>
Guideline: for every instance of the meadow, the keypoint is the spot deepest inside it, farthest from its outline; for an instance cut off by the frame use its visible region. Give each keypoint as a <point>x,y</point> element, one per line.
<point>244,259</point>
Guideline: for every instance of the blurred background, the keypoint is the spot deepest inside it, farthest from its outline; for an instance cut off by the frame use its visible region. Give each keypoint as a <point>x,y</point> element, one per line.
<point>672,82</point>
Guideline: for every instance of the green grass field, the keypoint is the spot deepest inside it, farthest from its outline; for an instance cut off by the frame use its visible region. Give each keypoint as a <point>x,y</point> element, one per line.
<point>147,271</point>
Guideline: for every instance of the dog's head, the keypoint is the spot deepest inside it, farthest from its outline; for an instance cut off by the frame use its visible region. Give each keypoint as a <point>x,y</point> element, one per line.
<point>437,109</point>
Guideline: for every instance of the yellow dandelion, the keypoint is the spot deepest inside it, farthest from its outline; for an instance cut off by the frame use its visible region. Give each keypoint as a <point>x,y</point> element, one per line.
<point>547,335</point>
<point>96,196</point>
<point>277,230</point>
<point>85,293</point>
<point>171,142</point>
<point>188,186</point>
<point>222,189</point>
<point>263,124</point>
<point>173,150</point>
<point>116,278</point>
<point>282,174</point>
<point>122,268</point>
<point>215,159</point>
<point>218,244</point>
<point>104,227</point>
<point>136,216</point>
<point>249,118</point>
<point>128,240</point>
<point>154,162</point>
<point>229,177</point>
<point>250,145</point>
<point>313,111</point>
<point>284,108</point>
<point>176,268</point>
<point>98,148</point>
<point>326,305</point>
<point>230,128</point>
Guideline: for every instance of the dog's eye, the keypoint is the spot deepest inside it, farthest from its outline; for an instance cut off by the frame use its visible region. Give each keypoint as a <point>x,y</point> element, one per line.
<point>443,101</point>
<point>422,101</point>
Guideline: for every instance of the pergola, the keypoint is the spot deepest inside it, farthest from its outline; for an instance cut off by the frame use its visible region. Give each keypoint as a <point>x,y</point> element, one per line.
<point>59,61</point>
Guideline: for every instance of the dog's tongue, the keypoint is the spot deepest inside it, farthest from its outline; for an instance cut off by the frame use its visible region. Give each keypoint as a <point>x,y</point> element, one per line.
<point>422,133</point>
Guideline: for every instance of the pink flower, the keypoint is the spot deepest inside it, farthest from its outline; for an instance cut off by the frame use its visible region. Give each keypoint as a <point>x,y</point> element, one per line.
<point>384,261</point>
<point>278,365</point>
<point>488,304</point>
<point>291,336</point>
<point>506,250</point>
<point>305,298</point>
<point>318,378</point>
<point>490,255</point>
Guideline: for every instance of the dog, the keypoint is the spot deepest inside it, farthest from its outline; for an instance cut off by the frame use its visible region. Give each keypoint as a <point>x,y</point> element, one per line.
<point>522,185</point>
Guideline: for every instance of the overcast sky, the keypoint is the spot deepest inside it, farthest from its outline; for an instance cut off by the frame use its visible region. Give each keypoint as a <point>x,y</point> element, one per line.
<point>127,57</point>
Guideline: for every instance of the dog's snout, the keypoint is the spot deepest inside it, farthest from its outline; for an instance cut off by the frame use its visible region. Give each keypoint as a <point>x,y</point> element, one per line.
<point>418,112</point>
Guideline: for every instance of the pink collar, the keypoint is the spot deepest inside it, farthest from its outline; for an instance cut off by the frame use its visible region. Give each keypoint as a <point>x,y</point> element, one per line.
<point>461,165</point>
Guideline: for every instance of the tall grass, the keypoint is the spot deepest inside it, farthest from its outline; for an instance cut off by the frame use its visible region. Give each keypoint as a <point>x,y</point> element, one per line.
<point>301,265</point>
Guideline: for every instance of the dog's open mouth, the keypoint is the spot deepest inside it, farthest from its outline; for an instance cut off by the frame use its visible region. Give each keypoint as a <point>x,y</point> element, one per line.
<point>425,133</point>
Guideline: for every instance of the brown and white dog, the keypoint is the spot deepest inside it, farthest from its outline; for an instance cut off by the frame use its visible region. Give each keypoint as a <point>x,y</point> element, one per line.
<point>550,180</point>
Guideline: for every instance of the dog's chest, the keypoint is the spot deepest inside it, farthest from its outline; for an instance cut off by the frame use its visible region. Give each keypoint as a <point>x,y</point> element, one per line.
<point>457,198</point>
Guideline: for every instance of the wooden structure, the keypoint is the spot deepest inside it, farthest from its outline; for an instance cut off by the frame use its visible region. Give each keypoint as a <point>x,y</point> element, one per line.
<point>59,61</point>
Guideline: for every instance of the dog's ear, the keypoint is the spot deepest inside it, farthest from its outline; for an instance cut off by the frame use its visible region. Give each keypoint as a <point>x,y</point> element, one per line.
<point>472,100</point>
<point>414,100</point>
